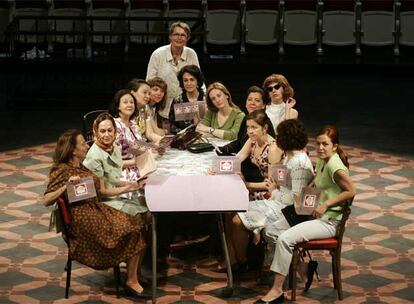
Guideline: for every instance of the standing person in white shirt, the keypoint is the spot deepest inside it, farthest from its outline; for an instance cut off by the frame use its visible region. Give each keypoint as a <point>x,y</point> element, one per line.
<point>280,93</point>
<point>168,60</point>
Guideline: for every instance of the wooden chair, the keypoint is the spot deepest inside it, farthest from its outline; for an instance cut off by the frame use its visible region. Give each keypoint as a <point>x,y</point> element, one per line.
<point>88,120</point>
<point>334,245</point>
<point>66,221</point>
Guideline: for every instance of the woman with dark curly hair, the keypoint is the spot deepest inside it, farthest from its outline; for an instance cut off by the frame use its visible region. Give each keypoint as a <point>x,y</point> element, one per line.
<point>266,214</point>
<point>191,82</point>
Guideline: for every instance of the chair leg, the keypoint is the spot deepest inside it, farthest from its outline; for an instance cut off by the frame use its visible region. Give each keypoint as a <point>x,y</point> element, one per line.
<point>68,270</point>
<point>338,273</point>
<point>334,269</point>
<point>117,275</point>
<point>295,260</point>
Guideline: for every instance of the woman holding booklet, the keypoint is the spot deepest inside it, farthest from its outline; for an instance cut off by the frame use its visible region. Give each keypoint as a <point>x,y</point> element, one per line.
<point>128,137</point>
<point>191,82</point>
<point>332,177</point>
<point>104,159</point>
<point>266,214</point>
<point>101,236</point>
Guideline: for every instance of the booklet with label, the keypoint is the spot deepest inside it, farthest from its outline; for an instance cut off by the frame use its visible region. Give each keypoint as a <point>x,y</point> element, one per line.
<point>281,174</point>
<point>202,108</point>
<point>146,164</point>
<point>226,164</point>
<point>82,190</point>
<point>140,146</point>
<point>309,199</point>
<point>186,110</point>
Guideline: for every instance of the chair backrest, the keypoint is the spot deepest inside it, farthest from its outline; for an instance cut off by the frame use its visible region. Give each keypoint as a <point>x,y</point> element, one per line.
<point>262,22</point>
<point>407,23</point>
<point>301,22</point>
<point>223,22</point>
<point>64,214</point>
<point>377,22</point>
<point>88,120</point>
<point>346,211</point>
<point>339,22</point>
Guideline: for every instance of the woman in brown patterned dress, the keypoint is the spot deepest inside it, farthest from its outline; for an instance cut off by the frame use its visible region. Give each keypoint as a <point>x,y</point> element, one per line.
<point>101,236</point>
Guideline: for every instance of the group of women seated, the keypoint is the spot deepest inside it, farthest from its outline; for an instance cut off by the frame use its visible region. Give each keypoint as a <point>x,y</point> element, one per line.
<point>113,227</point>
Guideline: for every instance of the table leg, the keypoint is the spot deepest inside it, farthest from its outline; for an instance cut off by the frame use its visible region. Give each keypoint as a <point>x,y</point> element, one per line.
<point>229,290</point>
<point>154,259</point>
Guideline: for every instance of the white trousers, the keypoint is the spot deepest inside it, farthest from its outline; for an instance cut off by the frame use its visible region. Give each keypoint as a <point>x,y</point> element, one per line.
<point>306,231</point>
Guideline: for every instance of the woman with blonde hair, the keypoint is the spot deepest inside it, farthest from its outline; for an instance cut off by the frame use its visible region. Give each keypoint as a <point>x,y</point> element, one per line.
<point>280,93</point>
<point>223,118</point>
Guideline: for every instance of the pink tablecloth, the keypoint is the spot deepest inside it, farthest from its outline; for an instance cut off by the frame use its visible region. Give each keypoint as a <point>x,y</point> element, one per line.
<point>196,193</point>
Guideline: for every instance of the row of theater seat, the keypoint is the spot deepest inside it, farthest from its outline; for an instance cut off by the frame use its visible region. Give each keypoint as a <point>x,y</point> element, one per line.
<point>232,22</point>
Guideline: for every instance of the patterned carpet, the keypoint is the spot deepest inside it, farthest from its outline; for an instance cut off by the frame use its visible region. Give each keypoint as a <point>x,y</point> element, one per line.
<point>378,251</point>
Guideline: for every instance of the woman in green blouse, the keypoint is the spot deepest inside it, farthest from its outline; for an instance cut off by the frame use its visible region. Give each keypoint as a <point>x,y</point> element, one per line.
<point>332,177</point>
<point>223,118</point>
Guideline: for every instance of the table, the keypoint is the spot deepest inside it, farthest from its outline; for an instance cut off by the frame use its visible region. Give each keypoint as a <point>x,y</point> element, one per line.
<point>181,185</point>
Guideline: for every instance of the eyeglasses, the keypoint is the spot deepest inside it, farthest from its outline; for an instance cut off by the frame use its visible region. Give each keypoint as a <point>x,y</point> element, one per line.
<point>276,86</point>
<point>182,35</point>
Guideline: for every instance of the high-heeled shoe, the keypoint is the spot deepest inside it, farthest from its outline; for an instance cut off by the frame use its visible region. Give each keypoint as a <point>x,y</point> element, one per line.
<point>279,299</point>
<point>132,292</point>
<point>311,272</point>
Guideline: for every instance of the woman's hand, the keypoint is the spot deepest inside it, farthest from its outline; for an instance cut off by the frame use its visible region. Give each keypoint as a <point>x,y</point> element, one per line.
<point>320,210</point>
<point>210,171</point>
<point>160,150</point>
<point>141,183</point>
<point>133,186</point>
<point>75,179</point>
<point>271,184</point>
<point>290,103</point>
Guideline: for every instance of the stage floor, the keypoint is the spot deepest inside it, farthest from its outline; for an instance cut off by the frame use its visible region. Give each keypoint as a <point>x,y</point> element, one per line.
<point>377,254</point>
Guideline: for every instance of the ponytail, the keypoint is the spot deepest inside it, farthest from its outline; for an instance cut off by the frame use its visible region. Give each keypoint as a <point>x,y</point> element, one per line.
<point>343,156</point>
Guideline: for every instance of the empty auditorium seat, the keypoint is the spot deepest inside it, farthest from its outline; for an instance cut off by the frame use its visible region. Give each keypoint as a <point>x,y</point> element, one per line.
<point>5,18</point>
<point>109,9</point>
<point>223,22</point>
<point>378,23</point>
<point>262,22</point>
<point>25,8</point>
<point>69,8</point>
<point>407,23</point>
<point>147,8</point>
<point>338,22</point>
<point>300,22</point>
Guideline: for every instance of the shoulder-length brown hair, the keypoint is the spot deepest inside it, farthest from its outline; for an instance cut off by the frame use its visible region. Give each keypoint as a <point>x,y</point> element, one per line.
<point>280,79</point>
<point>332,132</point>
<point>159,82</point>
<point>218,86</point>
<point>65,146</point>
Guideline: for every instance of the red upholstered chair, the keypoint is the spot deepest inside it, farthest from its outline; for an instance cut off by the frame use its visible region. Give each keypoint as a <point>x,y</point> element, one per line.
<point>66,221</point>
<point>333,245</point>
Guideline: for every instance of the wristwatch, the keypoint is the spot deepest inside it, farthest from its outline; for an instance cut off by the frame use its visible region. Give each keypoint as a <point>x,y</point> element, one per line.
<point>211,130</point>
